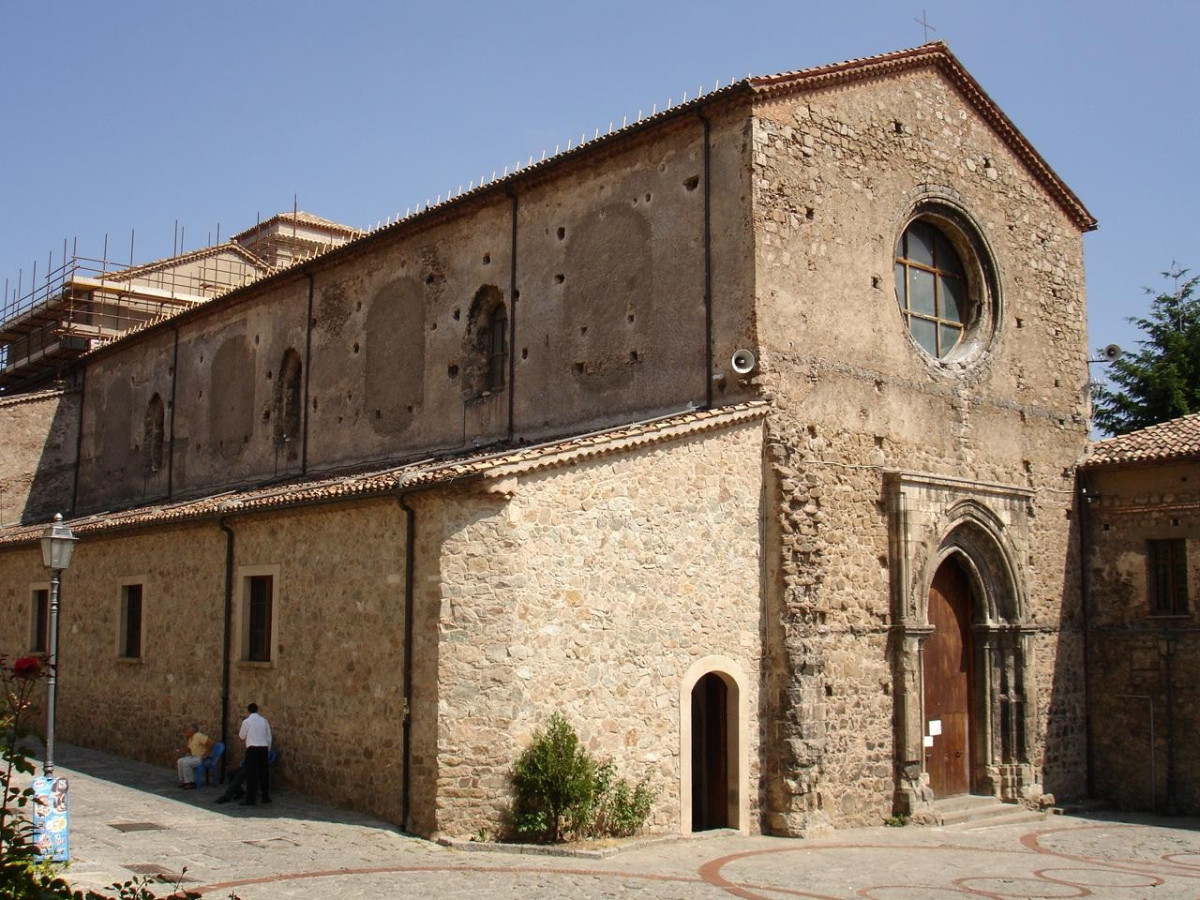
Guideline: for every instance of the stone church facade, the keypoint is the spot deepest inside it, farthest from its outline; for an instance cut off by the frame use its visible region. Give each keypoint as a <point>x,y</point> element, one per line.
<point>744,436</point>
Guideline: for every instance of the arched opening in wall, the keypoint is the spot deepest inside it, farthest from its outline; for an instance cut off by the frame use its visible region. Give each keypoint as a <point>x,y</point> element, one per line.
<point>153,434</point>
<point>497,341</point>
<point>949,681</point>
<point>711,754</point>
<point>485,348</point>
<point>288,401</point>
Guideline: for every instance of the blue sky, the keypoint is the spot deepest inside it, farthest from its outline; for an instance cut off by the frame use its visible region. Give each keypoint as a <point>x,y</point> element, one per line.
<point>133,116</point>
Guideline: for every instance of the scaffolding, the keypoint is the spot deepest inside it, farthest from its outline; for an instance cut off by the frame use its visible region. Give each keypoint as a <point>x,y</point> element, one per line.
<point>84,303</point>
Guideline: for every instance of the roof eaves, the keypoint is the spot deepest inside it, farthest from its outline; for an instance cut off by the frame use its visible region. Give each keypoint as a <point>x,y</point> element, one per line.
<point>32,397</point>
<point>408,477</point>
<point>190,256</point>
<point>1175,440</point>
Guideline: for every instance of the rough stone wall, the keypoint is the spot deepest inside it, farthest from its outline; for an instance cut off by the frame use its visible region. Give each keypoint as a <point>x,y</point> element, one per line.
<point>21,572</point>
<point>590,590</point>
<point>837,174</point>
<point>135,708</point>
<point>114,465</point>
<point>1145,668</point>
<point>333,690</point>
<point>37,466</point>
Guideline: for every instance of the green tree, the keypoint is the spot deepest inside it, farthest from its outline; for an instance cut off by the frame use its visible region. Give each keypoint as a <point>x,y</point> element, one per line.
<point>1161,381</point>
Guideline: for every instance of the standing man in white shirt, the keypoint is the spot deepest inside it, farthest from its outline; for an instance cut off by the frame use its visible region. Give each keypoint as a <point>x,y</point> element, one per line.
<point>256,732</point>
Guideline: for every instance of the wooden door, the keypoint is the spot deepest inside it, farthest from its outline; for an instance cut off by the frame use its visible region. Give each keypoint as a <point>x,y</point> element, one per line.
<point>710,754</point>
<point>948,671</point>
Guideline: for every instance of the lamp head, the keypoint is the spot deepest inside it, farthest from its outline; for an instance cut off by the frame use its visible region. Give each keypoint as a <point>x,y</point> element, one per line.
<point>58,543</point>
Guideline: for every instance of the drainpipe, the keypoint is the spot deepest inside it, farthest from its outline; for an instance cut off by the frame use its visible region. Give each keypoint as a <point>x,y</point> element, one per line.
<point>225,654</point>
<point>410,552</point>
<point>1082,499</point>
<point>708,296</point>
<point>171,438</point>
<point>79,437</point>
<point>308,327</point>
<point>512,323</point>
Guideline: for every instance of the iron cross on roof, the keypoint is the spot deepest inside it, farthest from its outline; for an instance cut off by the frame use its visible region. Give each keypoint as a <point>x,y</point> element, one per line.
<point>924,23</point>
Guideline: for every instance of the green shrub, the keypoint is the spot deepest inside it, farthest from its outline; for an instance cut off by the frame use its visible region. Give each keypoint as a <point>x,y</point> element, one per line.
<point>554,778</point>
<point>560,791</point>
<point>619,811</point>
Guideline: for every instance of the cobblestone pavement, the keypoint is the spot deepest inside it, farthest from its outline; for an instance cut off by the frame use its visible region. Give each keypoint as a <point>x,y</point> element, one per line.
<point>129,818</point>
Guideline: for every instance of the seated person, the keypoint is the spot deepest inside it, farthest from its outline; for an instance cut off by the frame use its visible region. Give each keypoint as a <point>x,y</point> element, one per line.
<point>198,746</point>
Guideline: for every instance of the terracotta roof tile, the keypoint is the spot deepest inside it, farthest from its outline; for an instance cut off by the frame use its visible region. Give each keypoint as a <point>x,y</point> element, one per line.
<point>413,475</point>
<point>1173,440</point>
<point>32,397</point>
<point>171,262</point>
<point>300,217</point>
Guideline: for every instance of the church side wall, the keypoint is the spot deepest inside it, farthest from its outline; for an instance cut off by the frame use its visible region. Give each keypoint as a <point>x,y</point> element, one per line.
<point>838,173</point>
<point>1145,667</point>
<point>391,327</point>
<point>218,390</point>
<point>37,468</point>
<point>604,304</point>
<point>114,462</point>
<point>590,591</point>
<point>136,708</point>
<point>332,690</point>
<point>611,279</point>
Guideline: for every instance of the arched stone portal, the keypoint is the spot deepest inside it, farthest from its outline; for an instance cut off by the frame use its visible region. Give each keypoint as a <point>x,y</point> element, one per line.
<point>962,642</point>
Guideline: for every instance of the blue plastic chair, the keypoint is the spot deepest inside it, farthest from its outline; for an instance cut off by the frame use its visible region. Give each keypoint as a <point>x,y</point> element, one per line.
<point>208,767</point>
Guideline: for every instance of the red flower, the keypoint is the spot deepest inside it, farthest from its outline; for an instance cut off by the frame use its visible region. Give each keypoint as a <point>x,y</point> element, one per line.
<point>27,667</point>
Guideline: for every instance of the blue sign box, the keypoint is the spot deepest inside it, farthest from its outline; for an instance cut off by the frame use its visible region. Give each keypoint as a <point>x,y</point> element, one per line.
<point>52,818</point>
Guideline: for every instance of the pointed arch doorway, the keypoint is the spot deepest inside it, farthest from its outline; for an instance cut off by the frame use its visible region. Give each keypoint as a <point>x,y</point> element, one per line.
<point>949,674</point>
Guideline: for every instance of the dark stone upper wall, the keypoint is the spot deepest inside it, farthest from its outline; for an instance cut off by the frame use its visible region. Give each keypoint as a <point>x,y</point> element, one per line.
<point>610,269</point>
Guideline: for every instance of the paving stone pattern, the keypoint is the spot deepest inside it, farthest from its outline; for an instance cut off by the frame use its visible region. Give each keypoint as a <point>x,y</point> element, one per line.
<point>295,848</point>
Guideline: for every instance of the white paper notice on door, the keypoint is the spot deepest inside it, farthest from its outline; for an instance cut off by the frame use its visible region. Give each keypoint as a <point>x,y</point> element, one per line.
<point>935,726</point>
<point>927,741</point>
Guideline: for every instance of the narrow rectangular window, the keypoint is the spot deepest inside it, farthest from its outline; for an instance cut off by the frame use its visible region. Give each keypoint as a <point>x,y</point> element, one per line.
<point>131,621</point>
<point>40,621</point>
<point>1167,562</point>
<point>259,602</point>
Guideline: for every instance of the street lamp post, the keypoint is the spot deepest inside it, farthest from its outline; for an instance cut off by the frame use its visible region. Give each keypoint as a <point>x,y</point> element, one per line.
<point>58,543</point>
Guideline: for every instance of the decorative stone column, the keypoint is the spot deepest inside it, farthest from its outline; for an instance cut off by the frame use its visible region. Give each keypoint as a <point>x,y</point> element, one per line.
<point>913,798</point>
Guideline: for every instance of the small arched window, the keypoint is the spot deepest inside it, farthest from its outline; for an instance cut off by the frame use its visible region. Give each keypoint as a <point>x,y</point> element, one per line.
<point>485,345</point>
<point>497,344</point>
<point>287,398</point>
<point>153,434</point>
